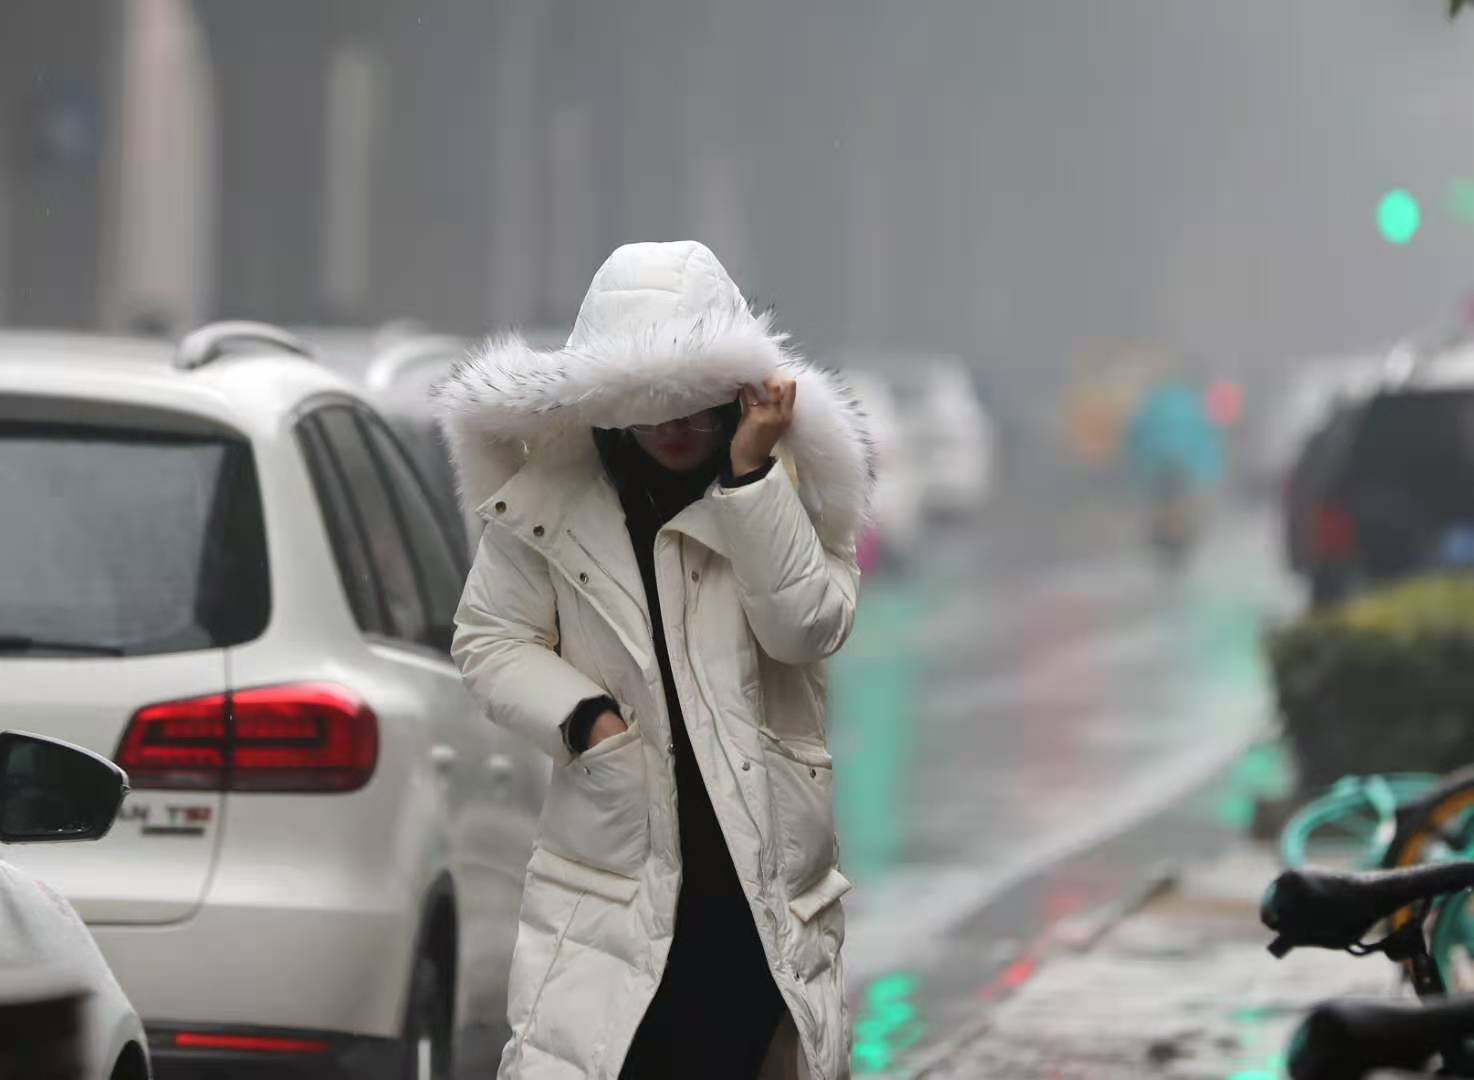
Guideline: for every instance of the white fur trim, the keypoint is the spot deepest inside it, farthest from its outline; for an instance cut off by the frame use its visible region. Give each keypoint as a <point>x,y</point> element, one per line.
<point>663,333</point>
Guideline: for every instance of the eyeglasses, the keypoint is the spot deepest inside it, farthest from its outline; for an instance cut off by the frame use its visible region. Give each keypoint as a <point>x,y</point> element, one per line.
<point>705,422</point>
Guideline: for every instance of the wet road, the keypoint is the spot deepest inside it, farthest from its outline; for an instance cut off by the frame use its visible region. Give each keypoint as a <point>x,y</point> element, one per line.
<point>1023,726</point>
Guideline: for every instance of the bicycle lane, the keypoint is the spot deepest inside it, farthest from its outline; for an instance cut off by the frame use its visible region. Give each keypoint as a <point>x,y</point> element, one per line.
<point>983,774</point>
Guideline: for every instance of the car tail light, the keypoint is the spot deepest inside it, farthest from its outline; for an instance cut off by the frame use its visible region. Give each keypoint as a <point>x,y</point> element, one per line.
<point>258,1044</point>
<point>302,738</point>
<point>1332,534</point>
<point>178,744</point>
<point>311,737</point>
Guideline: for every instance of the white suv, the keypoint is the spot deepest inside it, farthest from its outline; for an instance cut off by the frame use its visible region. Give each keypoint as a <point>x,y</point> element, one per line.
<point>223,570</point>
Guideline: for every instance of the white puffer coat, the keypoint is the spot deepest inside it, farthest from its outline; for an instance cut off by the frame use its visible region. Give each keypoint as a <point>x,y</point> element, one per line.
<point>757,586</point>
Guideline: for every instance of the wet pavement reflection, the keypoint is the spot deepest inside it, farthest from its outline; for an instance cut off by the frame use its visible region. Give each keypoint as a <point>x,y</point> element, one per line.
<point>1024,724</point>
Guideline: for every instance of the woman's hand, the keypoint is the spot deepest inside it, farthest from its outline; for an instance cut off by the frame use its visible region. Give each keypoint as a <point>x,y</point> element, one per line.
<point>606,726</point>
<point>763,423</point>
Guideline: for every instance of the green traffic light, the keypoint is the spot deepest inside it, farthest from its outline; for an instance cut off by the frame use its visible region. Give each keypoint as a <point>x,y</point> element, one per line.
<point>1398,217</point>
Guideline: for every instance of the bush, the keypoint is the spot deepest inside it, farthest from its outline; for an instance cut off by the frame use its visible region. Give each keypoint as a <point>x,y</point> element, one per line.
<point>1384,684</point>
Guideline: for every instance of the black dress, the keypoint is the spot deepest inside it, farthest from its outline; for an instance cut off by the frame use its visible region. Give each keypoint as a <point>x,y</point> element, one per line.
<point>717,1007</point>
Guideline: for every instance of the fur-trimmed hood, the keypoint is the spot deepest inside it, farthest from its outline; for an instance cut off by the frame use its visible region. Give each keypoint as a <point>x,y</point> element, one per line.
<point>663,332</point>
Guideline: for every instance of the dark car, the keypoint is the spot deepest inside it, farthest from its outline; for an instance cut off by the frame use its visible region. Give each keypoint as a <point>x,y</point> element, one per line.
<point>1304,488</point>
<point>1385,489</point>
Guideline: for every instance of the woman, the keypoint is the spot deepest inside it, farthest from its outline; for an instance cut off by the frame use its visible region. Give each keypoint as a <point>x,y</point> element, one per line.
<point>651,603</point>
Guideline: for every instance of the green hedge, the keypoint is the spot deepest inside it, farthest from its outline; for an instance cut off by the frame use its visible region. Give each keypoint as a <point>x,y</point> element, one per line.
<point>1384,684</point>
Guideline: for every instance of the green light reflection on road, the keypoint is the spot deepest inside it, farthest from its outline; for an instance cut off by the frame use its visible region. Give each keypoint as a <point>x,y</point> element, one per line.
<point>887,1026</point>
<point>874,691</point>
<point>1250,1021</point>
<point>873,704</point>
<point>1263,772</point>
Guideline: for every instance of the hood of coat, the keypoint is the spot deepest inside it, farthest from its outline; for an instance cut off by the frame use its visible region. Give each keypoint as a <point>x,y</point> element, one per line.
<point>664,332</point>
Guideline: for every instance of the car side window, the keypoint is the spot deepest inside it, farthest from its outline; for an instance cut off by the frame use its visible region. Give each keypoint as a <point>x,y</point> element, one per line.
<point>434,554</point>
<point>389,553</point>
<point>345,534</point>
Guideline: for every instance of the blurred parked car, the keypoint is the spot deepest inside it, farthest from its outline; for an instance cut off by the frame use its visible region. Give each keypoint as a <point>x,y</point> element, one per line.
<point>896,500</point>
<point>1385,489</point>
<point>62,1014</point>
<point>948,436</point>
<point>1303,491</point>
<point>230,575</point>
<point>395,366</point>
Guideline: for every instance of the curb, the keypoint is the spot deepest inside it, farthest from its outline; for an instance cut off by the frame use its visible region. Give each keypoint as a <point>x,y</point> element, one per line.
<point>1082,933</point>
<point>1075,935</point>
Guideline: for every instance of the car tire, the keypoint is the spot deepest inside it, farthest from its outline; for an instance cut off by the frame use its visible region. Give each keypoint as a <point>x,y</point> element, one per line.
<point>428,1038</point>
<point>131,1065</point>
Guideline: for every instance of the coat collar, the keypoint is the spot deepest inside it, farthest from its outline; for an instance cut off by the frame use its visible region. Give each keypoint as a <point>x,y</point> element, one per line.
<point>573,494</point>
<point>569,511</point>
<point>663,333</point>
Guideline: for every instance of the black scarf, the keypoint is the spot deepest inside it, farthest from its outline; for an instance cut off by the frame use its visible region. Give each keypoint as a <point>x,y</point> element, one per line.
<point>651,496</point>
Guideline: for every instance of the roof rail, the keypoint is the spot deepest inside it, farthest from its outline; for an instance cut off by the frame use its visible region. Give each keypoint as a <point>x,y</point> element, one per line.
<point>402,356</point>
<point>212,341</point>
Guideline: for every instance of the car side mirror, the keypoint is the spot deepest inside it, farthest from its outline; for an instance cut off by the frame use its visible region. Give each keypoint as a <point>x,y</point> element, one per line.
<point>51,790</point>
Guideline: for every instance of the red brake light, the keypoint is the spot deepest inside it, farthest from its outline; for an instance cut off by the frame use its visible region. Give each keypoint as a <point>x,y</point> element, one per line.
<point>197,1040</point>
<point>1332,533</point>
<point>302,738</point>
<point>176,745</point>
<point>311,737</point>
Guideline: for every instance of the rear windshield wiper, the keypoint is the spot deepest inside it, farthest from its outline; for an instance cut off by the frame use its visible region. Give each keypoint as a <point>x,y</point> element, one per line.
<point>22,643</point>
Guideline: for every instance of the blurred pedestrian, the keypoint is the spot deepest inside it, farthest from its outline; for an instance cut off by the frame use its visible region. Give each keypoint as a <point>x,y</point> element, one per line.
<point>1172,441</point>
<point>1174,453</point>
<point>672,502</point>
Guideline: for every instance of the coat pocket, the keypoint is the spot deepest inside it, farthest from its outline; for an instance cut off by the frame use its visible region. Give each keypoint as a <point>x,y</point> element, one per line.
<point>597,810</point>
<point>817,944</point>
<point>801,788</point>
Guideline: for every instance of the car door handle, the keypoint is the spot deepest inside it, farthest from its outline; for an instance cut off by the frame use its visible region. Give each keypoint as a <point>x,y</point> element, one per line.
<point>443,757</point>
<point>500,766</point>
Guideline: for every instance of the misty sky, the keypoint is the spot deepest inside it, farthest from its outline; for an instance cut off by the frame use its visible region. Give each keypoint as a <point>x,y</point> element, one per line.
<point>1030,183</point>
<point>1037,176</point>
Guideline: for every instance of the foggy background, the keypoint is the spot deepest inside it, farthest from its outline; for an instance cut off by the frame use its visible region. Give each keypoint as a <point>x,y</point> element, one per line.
<point>1024,183</point>
<point>1152,229</point>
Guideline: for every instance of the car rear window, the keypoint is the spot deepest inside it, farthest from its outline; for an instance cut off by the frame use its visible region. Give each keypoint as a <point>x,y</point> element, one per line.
<point>1420,443</point>
<point>125,541</point>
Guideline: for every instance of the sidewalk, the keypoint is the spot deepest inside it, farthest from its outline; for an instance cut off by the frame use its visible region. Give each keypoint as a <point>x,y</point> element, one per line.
<point>1180,989</point>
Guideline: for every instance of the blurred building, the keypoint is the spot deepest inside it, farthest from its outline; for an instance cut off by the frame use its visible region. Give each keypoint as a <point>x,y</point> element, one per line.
<point>465,162</point>
<point>981,177</point>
